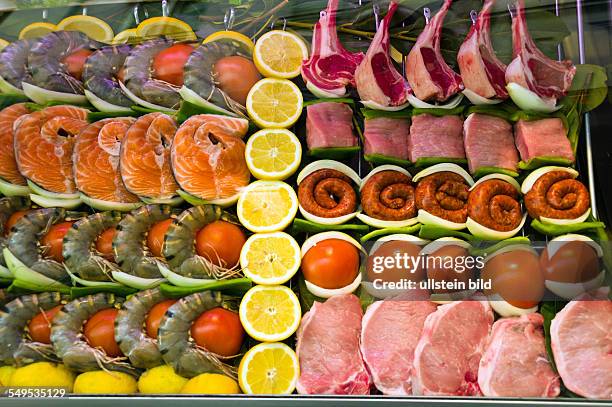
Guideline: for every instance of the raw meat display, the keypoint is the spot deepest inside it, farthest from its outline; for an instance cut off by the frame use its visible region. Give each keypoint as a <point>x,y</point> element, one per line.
<point>581,345</point>
<point>543,138</point>
<point>329,124</point>
<point>428,74</point>
<point>390,332</point>
<point>328,348</point>
<point>432,136</point>
<point>515,363</point>
<point>386,136</point>
<point>481,71</point>
<point>489,142</point>
<point>448,353</point>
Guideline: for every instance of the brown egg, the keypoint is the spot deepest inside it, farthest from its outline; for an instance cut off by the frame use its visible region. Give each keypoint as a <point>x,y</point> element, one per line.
<point>236,75</point>
<point>439,266</point>
<point>572,262</point>
<point>516,277</point>
<point>397,259</point>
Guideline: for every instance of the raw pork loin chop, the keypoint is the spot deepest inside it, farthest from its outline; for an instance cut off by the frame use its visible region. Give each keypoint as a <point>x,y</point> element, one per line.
<point>581,340</point>
<point>386,136</point>
<point>515,363</point>
<point>489,142</point>
<point>542,138</point>
<point>328,348</point>
<point>481,71</point>
<point>432,136</point>
<point>390,332</point>
<point>448,353</point>
<point>329,124</point>
<point>428,74</point>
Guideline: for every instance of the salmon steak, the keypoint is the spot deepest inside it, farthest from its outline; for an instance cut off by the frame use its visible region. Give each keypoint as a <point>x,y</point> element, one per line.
<point>145,157</point>
<point>96,160</point>
<point>44,142</point>
<point>208,156</point>
<point>8,167</point>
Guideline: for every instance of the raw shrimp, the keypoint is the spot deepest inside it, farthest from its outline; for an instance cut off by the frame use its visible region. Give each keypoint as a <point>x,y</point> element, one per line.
<point>8,206</point>
<point>141,349</point>
<point>15,346</point>
<point>138,75</point>
<point>131,252</point>
<point>101,71</point>
<point>180,244</point>
<point>79,249</point>
<point>13,61</point>
<point>68,340</point>
<point>174,340</point>
<point>24,240</point>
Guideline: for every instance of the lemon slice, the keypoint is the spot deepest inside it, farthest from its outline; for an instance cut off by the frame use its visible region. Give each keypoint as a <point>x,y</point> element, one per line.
<point>125,36</point>
<point>95,28</point>
<point>267,206</point>
<point>36,30</point>
<point>279,54</point>
<point>165,26</point>
<point>269,368</point>
<point>270,258</point>
<point>273,154</point>
<point>230,35</point>
<point>270,313</point>
<point>275,103</point>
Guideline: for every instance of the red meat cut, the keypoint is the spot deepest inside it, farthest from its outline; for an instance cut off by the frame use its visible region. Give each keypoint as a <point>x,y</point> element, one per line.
<point>448,353</point>
<point>515,363</point>
<point>542,138</point>
<point>428,74</point>
<point>329,124</point>
<point>481,71</point>
<point>386,136</point>
<point>432,136</point>
<point>390,332</point>
<point>581,340</point>
<point>489,142</point>
<point>328,348</point>
<point>530,68</point>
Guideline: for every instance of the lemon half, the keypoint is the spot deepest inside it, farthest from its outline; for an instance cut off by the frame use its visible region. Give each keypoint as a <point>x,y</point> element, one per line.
<point>279,54</point>
<point>267,206</point>
<point>165,26</point>
<point>270,258</point>
<point>36,30</point>
<point>269,368</point>
<point>230,35</point>
<point>275,103</point>
<point>93,27</point>
<point>125,36</point>
<point>273,154</point>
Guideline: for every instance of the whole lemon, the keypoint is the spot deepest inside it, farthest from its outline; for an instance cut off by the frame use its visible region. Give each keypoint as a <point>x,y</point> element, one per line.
<point>5,374</point>
<point>102,382</point>
<point>42,374</point>
<point>211,383</point>
<point>161,380</point>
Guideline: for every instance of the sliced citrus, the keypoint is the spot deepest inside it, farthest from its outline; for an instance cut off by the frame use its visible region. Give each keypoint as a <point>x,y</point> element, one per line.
<point>279,54</point>
<point>95,28</point>
<point>275,103</point>
<point>165,26</point>
<point>270,313</point>
<point>267,206</point>
<point>125,36</point>
<point>230,35</point>
<point>270,258</point>
<point>269,368</point>
<point>273,154</point>
<point>36,30</point>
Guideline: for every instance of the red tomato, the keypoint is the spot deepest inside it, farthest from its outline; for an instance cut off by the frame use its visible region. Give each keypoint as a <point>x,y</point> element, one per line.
<point>75,62</point>
<point>332,263</point>
<point>155,316</point>
<point>99,330</point>
<point>40,326</point>
<point>53,240</point>
<point>221,243</point>
<point>219,331</point>
<point>155,237</point>
<point>169,64</point>
<point>104,243</point>
<point>14,218</point>
<point>236,76</point>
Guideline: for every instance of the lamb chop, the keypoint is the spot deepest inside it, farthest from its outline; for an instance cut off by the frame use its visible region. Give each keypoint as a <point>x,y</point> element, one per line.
<point>379,84</point>
<point>429,76</point>
<point>330,67</point>
<point>530,68</point>
<point>481,71</point>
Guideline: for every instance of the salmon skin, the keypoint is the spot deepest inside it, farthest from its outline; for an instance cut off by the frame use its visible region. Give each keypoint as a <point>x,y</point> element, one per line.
<point>145,157</point>
<point>44,141</point>
<point>96,160</point>
<point>9,116</point>
<point>208,156</point>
